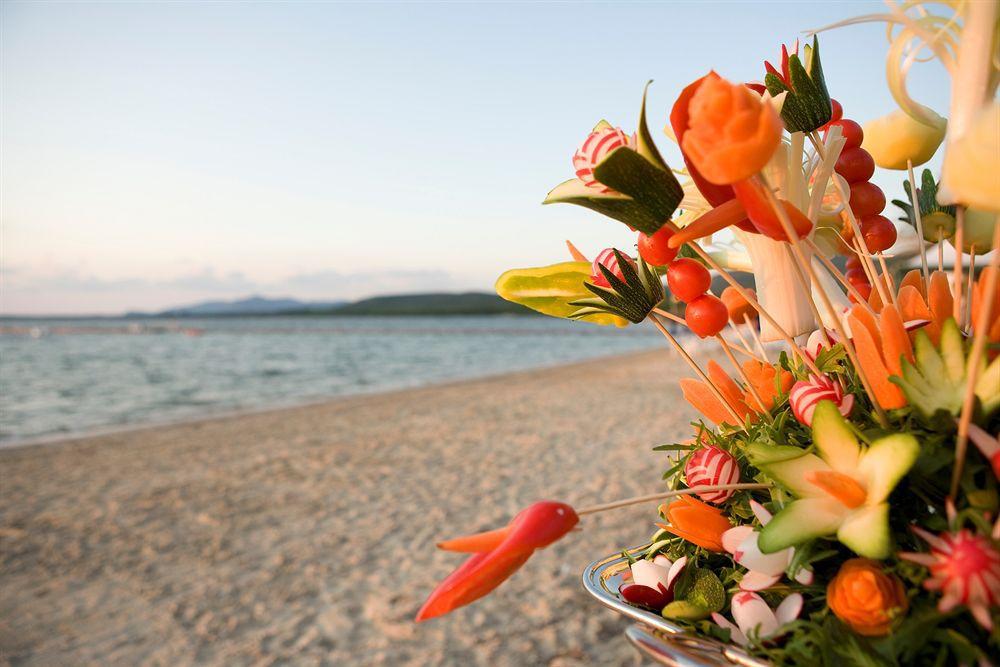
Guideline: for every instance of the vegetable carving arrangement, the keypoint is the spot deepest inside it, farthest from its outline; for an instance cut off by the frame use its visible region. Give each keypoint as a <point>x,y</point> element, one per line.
<point>836,499</point>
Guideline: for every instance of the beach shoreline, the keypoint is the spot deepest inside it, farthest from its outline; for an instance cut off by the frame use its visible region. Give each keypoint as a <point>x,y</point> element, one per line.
<point>238,412</point>
<point>306,534</point>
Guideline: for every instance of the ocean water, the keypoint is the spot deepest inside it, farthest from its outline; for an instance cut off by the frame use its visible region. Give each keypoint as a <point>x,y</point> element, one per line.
<point>60,378</point>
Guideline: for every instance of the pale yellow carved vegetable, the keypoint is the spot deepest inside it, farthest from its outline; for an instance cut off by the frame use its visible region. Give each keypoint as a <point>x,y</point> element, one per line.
<point>550,289</point>
<point>898,137</point>
<point>972,163</point>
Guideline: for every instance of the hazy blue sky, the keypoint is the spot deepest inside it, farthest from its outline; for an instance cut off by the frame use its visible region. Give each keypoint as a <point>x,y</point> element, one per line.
<point>157,153</point>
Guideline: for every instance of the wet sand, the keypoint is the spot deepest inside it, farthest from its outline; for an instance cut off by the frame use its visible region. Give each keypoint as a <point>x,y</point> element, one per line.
<point>306,536</point>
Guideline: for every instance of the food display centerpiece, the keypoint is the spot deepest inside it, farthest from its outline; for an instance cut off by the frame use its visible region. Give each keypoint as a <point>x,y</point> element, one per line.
<point>836,502</point>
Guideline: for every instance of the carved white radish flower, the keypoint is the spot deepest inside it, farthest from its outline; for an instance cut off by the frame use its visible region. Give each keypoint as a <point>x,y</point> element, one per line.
<point>712,466</point>
<point>755,619</point>
<point>763,570</point>
<point>805,395</point>
<point>608,260</point>
<point>597,146</point>
<point>653,581</point>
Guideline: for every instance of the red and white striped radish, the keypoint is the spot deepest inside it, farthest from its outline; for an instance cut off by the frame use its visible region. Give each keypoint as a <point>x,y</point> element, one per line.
<point>806,394</point>
<point>711,466</point>
<point>607,259</point>
<point>594,149</point>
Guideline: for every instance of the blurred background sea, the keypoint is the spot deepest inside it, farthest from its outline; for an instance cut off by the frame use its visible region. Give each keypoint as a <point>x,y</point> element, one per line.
<point>65,377</point>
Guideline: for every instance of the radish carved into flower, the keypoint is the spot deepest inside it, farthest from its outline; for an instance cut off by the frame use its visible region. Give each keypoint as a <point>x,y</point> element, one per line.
<point>965,567</point>
<point>597,146</point>
<point>653,582</point>
<point>608,260</point>
<point>711,466</point>
<point>754,619</point>
<point>806,395</point>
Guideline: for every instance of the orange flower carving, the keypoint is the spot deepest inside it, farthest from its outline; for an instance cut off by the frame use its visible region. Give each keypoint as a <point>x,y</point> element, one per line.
<point>732,132</point>
<point>696,522</point>
<point>866,598</point>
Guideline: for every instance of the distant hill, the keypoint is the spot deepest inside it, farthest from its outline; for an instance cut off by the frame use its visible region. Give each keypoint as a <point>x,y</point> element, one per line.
<point>253,305</point>
<point>468,303</point>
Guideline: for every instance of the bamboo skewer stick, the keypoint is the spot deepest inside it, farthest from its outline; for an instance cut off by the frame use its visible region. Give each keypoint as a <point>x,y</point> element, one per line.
<point>742,291</point>
<point>592,509</point>
<point>888,277</point>
<point>957,267</point>
<point>756,337</point>
<point>680,320</point>
<point>739,334</point>
<point>743,374</point>
<point>832,268</point>
<point>967,315</point>
<point>845,197</point>
<point>719,396</point>
<point>978,348</point>
<point>940,251</point>
<point>920,226</point>
<point>834,315</point>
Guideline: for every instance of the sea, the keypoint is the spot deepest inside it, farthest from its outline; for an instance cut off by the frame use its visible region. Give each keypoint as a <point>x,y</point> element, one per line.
<point>61,378</point>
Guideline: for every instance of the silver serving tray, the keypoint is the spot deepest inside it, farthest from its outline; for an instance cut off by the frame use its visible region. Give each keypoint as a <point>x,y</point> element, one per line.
<point>659,639</point>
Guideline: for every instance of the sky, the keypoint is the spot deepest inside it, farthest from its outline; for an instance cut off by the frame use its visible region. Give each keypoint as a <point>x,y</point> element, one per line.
<point>158,153</point>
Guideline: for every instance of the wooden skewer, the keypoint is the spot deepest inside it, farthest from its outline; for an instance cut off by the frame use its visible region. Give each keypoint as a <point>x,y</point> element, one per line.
<point>845,197</point>
<point>978,348</point>
<point>888,277</point>
<point>743,292</point>
<point>957,267</point>
<point>719,396</point>
<point>756,337</point>
<point>832,268</point>
<point>743,375</point>
<point>592,509</point>
<point>786,224</point>
<point>739,334</point>
<point>680,320</point>
<point>940,252</point>
<point>920,226</point>
<point>967,316</point>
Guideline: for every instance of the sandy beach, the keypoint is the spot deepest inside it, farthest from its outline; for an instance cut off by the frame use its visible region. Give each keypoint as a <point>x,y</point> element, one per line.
<point>306,535</point>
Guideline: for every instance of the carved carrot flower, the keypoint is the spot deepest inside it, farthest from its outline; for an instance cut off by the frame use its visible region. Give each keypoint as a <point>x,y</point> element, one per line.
<point>695,522</point>
<point>732,132</point>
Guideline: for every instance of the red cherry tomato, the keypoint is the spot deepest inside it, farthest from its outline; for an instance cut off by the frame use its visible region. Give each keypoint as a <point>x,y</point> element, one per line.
<point>879,232</point>
<point>654,249</point>
<point>706,315</point>
<point>688,279</point>
<point>866,199</point>
<point>837,111</point>
<point>865,289</point>
<point>855,165</point>
<point>851,131</point>
<point>856,276</point>
<point>853,262</point>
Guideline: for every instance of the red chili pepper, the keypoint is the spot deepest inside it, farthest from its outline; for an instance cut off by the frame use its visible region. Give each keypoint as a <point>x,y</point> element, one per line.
<point>497,555</point>
<point>763,217</point>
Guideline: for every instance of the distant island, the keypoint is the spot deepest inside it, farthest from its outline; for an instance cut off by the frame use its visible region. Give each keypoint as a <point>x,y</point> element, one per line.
<point>431,304</point>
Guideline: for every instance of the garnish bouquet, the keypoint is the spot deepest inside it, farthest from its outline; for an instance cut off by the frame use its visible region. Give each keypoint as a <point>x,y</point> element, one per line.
<point>836,500</point>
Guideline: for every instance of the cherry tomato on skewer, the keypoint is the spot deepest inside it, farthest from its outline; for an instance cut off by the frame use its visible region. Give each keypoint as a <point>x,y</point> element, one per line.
<point>688,279</point>
<point>706,316</point>
<point>879,232</point>
<point>866,199</point>
<point>655,248</point>
<point>856,165</point>
<point>851,131</point>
